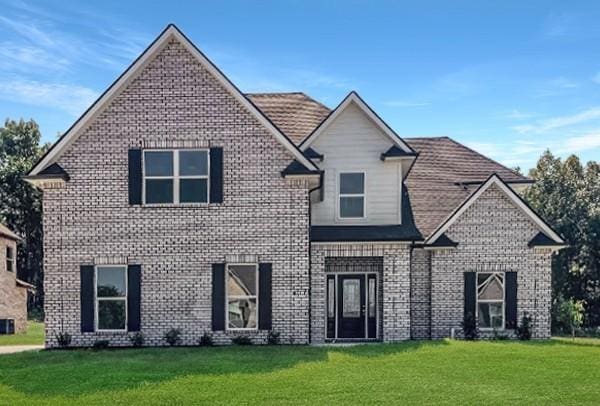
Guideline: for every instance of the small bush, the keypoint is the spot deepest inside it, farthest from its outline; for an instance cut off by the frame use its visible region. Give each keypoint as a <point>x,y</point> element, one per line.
<point>273,337</point>
<point>206,340</point>
<point>500,336</point>
<point>64,339</point>
<point>469,327</point>
<point>100,344</point>
<point>524,330</point>
<point>173,337</point>
<point>137,340</point>
<point>241,340</point>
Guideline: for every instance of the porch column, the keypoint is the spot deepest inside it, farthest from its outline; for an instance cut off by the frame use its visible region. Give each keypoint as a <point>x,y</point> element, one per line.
<point>396,293</point>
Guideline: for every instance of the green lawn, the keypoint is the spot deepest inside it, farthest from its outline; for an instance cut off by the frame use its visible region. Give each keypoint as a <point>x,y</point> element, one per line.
<point>34,335</point>
<point>450,372</point>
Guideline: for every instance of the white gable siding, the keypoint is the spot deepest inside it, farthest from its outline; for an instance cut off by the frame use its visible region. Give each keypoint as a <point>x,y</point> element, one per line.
<point>353,143</point>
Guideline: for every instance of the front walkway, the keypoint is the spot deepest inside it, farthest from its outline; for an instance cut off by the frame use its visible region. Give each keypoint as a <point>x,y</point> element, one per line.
<point>11,349</point>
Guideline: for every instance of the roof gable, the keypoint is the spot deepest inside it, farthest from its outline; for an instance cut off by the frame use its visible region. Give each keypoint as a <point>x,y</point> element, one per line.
<point>494,179</point>
<point>169,33</point>
<point>354,99</point>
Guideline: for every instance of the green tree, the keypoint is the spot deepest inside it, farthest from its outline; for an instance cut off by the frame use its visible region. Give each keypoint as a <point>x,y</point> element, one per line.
<point>567,195</point>
<point>20,203</point>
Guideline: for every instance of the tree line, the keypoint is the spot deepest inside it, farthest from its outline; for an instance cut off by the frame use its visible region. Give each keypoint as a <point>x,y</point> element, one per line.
<point>566,194</point>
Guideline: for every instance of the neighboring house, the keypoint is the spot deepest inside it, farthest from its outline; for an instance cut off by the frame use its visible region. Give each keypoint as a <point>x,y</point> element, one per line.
<point>13,292</point>
<point>176,201</point>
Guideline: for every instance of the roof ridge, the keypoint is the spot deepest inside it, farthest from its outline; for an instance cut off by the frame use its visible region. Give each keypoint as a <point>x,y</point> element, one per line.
<point>273,93</point>
<point>428,138</point>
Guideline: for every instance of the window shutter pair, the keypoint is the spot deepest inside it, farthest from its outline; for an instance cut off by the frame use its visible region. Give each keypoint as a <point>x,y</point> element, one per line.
<point>87,297</point>
<point>135,176</point>
<point>219,297</point>
<point>510,297</point>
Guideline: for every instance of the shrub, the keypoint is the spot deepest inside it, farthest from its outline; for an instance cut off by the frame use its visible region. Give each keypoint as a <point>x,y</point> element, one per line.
<point>64,339</point>
<point>571,314</point>
<point>206,340</point>
<point>100,344</point>
<point>524,330</point>
<point>173,337</point>
<point>137,340</point>
<point>273,337</point>
<point>241,340</point>
<point>469,327</point>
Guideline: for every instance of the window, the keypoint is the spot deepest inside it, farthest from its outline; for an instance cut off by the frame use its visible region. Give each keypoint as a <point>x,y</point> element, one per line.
<point>111,298</point>
<point>352,195</point>
<point>490,300</point>
<point>242,297</point>
<point>10,259</point>
<point>176,176</point>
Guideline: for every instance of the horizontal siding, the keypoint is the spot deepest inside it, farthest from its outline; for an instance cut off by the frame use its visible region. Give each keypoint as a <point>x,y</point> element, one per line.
<point>354,143</point>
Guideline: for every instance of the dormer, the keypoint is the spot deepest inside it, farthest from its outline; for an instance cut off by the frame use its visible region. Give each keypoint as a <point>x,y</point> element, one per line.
<point>364,164</point>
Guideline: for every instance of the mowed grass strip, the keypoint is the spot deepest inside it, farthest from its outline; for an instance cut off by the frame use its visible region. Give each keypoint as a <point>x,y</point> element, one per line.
<point>33,336</point>
<point>447,372</point>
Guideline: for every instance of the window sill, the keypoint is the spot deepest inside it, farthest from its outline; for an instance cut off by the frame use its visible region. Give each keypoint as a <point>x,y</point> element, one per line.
<point>173,205</point>
<point>111,332</point>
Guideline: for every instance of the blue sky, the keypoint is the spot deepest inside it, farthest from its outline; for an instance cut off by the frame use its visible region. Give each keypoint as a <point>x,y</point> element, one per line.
<point>508,78</point>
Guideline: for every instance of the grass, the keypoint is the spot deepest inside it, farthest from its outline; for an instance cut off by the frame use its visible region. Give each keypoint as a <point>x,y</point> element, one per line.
<point>33,336</point>
<point>448,372</point>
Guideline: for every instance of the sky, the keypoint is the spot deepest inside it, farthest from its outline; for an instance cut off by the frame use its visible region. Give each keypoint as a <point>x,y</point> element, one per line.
<point>507,78</point>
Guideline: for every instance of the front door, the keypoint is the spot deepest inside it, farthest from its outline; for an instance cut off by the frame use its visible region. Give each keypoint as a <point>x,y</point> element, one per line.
<point>351,306</point>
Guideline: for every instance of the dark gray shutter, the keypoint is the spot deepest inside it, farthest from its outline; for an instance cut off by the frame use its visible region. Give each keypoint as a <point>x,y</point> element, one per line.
<point>134,297</point>
<point>470,293</point>
<point>87,298</point>
<point>216,175</point>
<point>135,176</point>
<point>218,297</point>
<point>264,296</point>
<point>510,295</point>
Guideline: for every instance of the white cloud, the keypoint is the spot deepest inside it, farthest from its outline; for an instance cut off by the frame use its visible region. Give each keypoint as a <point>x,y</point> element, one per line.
<point>516,114</point>
<point>549,124</point>
<point>72,99</point>
<point>580,143</point>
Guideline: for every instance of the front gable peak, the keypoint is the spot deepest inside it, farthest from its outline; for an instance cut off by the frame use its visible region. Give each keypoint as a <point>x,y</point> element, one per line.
<point>170,33</point>
<point>354,99</point>
<point>495,180</point>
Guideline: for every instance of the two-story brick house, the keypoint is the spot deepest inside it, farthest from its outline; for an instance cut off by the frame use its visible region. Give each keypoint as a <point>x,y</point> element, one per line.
<point>177,201</point>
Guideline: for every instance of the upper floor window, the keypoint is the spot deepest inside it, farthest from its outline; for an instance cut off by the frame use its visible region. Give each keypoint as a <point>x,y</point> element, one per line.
<point>242,297</point>
<point>111,298</point>
<point>490,300</point>
<point>176,176</point>
<point>352,195</point>
<point>10,259</point>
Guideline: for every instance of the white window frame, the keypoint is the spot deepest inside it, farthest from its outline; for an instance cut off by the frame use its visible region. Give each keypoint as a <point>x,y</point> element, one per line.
<point>97,300</point>
<point>491,300</point>
<point>227,297</point>
<point>176,177</point>
<point>11,261</point>
<point>340,195</point>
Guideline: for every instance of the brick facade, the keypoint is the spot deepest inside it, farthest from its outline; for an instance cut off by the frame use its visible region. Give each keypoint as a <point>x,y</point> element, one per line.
<point>13,298</point>
<point>492,235</point>
<point>175,102</point>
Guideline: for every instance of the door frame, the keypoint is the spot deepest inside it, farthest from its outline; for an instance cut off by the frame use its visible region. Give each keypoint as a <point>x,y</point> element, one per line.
<point>336,313</point>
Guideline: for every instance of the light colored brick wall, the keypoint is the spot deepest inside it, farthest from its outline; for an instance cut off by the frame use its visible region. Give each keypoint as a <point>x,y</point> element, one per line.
<point>420,294</point>
<point>492,235</point>
<point>175,102</point>
<point>13,299</point>
<point>394,304</point>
